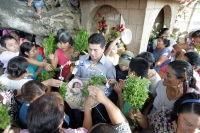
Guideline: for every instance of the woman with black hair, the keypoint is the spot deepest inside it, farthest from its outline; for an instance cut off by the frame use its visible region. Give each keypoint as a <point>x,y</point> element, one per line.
<point>28,50</point>
<point>162,54</point>
<point>166,34</point>
<point>64,54</point>
<point>169,89</point>
<point>184,117</point>
<point>194,59</point>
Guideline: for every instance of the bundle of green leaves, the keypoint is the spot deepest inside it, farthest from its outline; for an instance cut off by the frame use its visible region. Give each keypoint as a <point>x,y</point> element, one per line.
<point>49,45</point>
<point>46,75</point>
<point>63,90</point>
<point>81,41</point>
<point>135,92</point>
<point>4,116</point>
<point>93,81</point>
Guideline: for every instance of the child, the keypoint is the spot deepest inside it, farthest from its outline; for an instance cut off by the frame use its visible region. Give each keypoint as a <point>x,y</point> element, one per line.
<point>28,50</point>
<point>137,67</point>
<point>9,44</point>
<point>38,4</point>
<point>76,86</point>
<point>121,71</point>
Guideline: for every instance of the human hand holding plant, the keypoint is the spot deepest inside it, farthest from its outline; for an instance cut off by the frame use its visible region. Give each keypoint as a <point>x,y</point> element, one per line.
<point>89,103</point>
<point>137,115</point>
<point>118,88</point>
<point>97,94</point>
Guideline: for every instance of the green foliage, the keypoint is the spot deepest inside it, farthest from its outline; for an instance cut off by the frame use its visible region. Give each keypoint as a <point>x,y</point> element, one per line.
<point>95,80</point>
<point>81,41</point>
<point>49,46</point>
<point>135,92</point>
<point>198,48</point>
<point>46,75</point>
<point>63,90</point>
<point>4,116</point>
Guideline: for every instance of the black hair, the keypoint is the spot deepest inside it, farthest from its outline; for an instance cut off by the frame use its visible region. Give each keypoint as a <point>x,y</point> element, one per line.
<point>45,114</point>
<point>189,107</point>
<point>30,38</point>
<point>64,36</point>
<point>193,59</point>
<point>149,57</point>
<point>97,39</point>
<point>103,128</point>
<point>162,31</point>
<point>140,66</point>
<point>4,39</point>
<point>31,89</point>
<point>25,47</point>
<point>17,66</point>
<point>165,41</point>
<point>177,69</point>
<point>196,34</point>
<point>15,32</point>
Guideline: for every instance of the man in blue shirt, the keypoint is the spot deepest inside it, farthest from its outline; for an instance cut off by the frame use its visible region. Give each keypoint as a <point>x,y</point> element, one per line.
<point>103,66</point>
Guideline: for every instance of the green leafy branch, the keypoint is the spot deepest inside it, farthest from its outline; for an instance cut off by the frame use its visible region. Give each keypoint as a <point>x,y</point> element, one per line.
<point>81,41</point>
<point>93,81</point>
<point>4,116</point>
<point>49,46</point>
<point>63,90</point>
<point>135,92</point>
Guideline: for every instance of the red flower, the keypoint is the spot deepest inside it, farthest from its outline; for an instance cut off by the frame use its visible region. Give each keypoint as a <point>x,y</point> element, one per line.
<point>105,26</point>
<point>114,28</point>
<point>104,21</point>
<point>121,26</point>
<point>100,15</point>
<point>100,28</point>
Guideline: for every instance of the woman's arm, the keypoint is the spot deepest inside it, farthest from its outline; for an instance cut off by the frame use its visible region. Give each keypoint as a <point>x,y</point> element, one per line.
<point>54,59</point>
<point>46,66</point>
<point>113,43</point>
<point>141,119</point>
<point>161,60</point>
<point>111,109</point>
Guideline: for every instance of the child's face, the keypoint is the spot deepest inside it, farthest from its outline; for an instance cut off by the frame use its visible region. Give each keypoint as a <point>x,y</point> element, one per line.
<point>32,53</point>
<point>77,85</point>
<point>160,43</point>
<point>11,45</point>
<point>123,67</point>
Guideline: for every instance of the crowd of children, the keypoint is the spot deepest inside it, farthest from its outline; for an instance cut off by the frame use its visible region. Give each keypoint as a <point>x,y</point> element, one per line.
<point>36,109</point>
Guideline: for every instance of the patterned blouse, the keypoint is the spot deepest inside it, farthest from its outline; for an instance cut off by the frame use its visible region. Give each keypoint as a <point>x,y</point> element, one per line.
<point>160,122</point>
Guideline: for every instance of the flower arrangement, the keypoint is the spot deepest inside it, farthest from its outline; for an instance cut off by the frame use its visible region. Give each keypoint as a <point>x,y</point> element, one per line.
<point>115,33</point>
<point>102,26</point>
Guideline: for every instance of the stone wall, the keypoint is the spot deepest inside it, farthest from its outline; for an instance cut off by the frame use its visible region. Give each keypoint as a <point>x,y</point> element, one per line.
<point>139,16</point>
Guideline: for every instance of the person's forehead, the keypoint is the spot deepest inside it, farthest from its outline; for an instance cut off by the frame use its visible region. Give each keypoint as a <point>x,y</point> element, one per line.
<point>10,41</point>
<point>94,46</point>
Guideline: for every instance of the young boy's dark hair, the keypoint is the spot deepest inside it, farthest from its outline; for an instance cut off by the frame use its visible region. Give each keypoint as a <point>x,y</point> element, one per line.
<point>4,38</point>
<point>140,66</point>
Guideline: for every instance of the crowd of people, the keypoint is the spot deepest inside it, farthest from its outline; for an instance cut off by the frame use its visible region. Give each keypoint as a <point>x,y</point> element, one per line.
<point>37,108</point>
